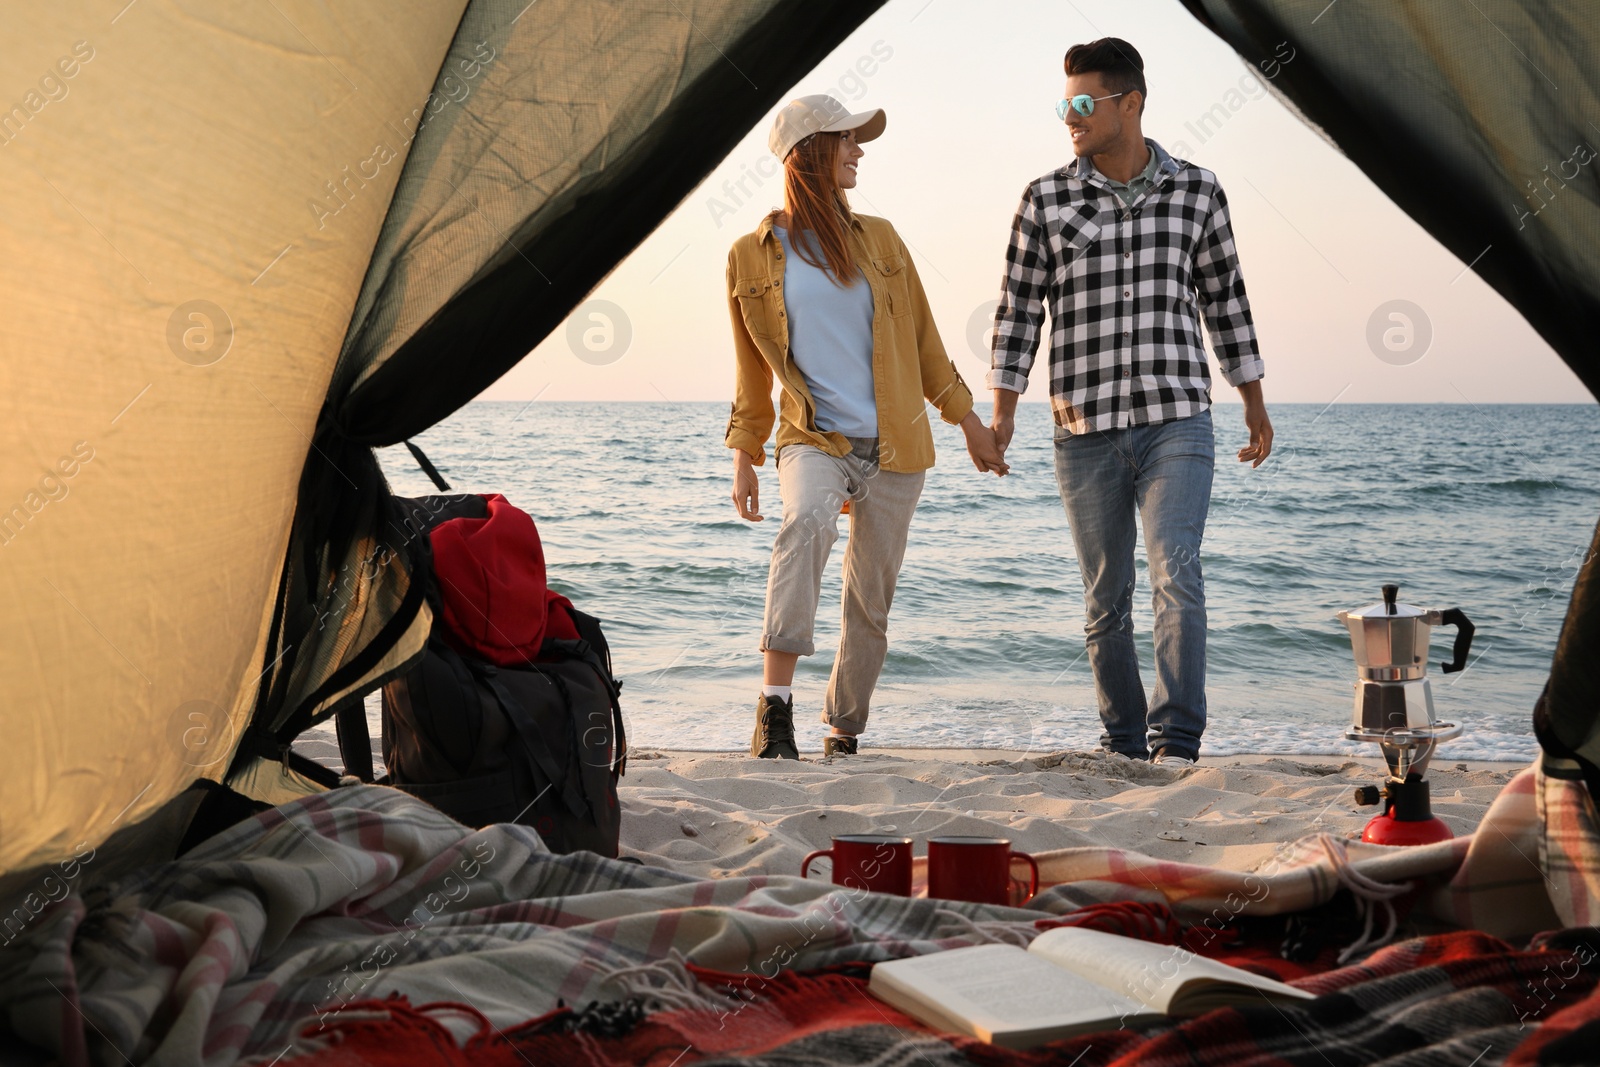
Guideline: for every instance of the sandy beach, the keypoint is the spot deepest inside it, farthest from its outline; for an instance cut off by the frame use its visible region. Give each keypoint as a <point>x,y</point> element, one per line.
<point>722,815</point>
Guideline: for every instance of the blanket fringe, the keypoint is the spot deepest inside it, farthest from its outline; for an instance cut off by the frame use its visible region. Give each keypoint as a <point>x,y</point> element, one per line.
<point>671,984</point>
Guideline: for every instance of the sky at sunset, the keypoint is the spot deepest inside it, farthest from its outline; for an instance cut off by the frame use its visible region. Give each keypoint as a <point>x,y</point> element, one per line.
<point>969,89</point>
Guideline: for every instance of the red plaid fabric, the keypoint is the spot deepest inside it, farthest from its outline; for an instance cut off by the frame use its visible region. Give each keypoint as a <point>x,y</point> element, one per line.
<point>1458,999</point>
<point>1569,847</point>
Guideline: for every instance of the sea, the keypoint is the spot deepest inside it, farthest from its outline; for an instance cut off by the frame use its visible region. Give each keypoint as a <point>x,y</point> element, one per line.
<point>1487,508</point>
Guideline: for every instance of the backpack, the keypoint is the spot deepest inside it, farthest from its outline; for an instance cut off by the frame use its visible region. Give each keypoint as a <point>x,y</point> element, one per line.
<point>512,713</point>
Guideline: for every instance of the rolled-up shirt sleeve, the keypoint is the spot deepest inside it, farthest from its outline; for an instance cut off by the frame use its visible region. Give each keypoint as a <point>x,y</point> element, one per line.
<point>1020,317</point>
<point>1219,284</point>
<point>751,415</point>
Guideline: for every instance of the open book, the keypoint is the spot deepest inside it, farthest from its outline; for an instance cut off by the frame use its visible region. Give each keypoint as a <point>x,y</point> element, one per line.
<point>1069,981</point>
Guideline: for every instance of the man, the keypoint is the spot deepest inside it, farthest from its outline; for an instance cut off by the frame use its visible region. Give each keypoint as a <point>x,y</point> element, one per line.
<point>1127,247</point>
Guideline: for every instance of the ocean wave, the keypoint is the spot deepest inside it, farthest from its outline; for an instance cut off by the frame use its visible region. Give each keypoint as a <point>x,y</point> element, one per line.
<point>1537,485</point>
<point>1476,492</point>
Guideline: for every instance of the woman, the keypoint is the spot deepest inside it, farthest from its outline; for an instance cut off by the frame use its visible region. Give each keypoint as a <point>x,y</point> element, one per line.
<point>827,302</point>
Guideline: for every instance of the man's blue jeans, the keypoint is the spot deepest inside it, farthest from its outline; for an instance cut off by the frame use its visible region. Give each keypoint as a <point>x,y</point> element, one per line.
<point>1163,472</point>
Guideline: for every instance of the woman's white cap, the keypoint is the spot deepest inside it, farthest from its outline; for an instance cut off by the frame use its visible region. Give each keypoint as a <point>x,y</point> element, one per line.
<point>802,117</point>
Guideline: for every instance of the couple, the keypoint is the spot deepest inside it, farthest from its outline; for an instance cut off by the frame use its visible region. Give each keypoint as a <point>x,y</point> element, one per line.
<point>1126,248</point>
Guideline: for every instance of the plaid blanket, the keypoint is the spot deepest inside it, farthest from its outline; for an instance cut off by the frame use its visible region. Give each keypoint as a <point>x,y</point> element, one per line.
<point>1569,841</point>
<point>363,891</point>
<point>283,930</point>
<point>1463,999</point>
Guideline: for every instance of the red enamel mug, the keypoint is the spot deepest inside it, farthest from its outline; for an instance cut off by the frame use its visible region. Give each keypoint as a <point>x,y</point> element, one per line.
<point>977,869</point>
<point>878,863</point>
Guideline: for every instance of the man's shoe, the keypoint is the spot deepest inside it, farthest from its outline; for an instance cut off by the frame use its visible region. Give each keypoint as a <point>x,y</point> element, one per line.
<point>774,736</point>
<point>839,745</point>
<point>1174,761</point>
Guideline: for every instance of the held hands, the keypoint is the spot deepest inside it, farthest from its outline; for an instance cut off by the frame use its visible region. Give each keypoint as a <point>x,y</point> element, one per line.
<point>746,487</point>
<point>987,453</point>
<point>1003,426</point>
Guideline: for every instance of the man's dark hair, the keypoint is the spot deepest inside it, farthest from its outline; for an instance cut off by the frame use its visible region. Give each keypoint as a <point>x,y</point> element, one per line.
<point>1116,61</point>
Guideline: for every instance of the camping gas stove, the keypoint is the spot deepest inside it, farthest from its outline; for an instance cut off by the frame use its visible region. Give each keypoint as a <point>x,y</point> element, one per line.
<point>1394,709</point>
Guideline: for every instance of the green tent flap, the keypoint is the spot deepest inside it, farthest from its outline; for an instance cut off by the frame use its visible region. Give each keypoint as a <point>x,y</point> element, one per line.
<point>254,241</point>
<point>1482,121</point>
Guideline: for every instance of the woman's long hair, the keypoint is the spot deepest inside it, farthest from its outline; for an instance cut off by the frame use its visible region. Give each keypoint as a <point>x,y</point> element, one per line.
<point>819,215</point>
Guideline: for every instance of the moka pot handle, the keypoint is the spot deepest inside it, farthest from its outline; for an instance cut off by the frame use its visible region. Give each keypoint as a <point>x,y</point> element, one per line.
<point>1464,631</point>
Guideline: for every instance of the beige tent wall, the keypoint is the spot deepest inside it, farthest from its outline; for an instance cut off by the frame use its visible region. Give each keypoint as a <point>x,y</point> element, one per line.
<point>152,156</point>
<point>567,87</point>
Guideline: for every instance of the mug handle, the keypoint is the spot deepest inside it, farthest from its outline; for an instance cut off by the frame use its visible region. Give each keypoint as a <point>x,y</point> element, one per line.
<point>805,864</point>
<point>1033,882</point>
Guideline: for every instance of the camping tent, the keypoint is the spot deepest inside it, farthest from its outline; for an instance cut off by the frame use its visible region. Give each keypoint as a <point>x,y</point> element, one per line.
<point>245,243</point>
<point>249,242</point>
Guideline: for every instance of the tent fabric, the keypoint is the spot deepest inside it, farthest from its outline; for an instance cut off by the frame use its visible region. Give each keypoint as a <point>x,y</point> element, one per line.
<point>196,542</point>
<point>557,136</point>
<point>1567,717</point>
<point>348,614</point>
<point>1483,123</point>
<point>591,122</point>
<point>173,318</point>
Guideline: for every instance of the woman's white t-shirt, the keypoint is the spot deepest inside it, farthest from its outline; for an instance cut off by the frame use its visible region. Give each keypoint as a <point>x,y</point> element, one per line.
<point>830,336</point>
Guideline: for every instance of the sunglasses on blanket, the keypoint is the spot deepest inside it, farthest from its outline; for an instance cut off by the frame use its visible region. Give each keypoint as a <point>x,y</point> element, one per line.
<point>1083,104</point>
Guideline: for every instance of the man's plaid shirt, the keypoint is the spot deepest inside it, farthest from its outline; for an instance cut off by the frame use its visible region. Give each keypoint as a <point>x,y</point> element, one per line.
<point>1126,286</point>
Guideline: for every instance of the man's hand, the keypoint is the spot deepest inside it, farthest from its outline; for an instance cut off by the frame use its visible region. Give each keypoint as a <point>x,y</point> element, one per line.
<point>986,454</point>
<point>1256,421</point>
<point>1004,421</point>
<point>746,486</point>
<point>1003,427</point>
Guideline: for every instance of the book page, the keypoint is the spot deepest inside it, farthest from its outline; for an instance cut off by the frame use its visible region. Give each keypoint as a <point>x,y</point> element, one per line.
<point>1000,990</point>
<point>1168,978</point>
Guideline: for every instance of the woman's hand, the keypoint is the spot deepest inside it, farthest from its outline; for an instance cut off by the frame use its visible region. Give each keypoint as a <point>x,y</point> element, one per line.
<point>982,447</point>
<point>746,486</point>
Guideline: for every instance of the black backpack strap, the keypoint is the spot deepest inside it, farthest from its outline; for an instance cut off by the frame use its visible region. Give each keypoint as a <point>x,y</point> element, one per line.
<point>619,755</point>
<point>355,743</point>
<point>592,647</point>
<point>428,468</point>
<point>574,757</point>
<point>590,634</point>
<point>533,740</point>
